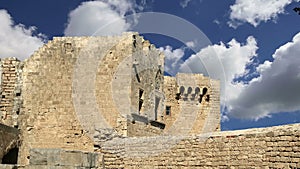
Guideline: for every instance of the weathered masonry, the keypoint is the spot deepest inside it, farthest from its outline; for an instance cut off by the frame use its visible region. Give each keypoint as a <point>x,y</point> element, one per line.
<point>104,102</point>
<point>76,93</point>
<point>273,147</point>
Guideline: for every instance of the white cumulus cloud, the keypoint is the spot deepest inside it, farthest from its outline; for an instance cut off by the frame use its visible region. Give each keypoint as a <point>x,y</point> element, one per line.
<point>106,17</point>
<point>190,44</point>
<point>173,59</point>
<point>256,11</point>
<point>233,56</point>
<point>16,40</point>
<point>276,90</point>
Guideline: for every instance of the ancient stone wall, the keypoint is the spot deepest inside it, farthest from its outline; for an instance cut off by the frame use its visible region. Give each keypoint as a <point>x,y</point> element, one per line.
<point>10,89</point>
<point>81,95</point>
<point>9,138</point>
<point>73,91</point>
<point>75,88</point>
<point>273,147</point>
<point>47,114</point>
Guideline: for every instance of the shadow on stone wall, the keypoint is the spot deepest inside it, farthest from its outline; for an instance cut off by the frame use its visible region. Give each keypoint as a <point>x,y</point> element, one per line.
<point>9,142</point>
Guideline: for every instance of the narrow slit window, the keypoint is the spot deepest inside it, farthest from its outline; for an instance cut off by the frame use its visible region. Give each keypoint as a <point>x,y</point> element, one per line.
<point>141,101</point>
<point>168,110</point>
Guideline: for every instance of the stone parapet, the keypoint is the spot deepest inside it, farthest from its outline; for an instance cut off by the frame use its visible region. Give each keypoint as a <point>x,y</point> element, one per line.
<point>273,147</point>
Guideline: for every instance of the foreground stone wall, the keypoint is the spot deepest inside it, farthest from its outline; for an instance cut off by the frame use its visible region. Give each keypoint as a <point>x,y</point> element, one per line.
<point>9,138</point>
<point>274,147</point>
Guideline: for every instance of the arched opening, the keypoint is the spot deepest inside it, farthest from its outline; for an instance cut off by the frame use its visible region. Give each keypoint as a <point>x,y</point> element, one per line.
<point>181,90</point>
<point>158,79</point>
<point>11,157</point>
<point>197,90</point>
<point>204,91</point>
<point>189,91</point>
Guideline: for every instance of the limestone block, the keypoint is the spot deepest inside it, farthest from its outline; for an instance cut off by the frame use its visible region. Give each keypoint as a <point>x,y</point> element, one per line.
<point>38,157</point>
<point>6,166</point>
<point>71,158</point>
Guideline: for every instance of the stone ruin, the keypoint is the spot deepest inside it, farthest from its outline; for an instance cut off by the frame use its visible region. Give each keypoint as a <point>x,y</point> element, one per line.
<point>104,102</point>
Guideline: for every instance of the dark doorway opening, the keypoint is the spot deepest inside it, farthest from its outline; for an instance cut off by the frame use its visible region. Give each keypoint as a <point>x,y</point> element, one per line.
<point>11,157</point>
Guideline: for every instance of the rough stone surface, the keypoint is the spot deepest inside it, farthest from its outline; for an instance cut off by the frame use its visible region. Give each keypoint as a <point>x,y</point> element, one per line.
<point>73,87</point>
<point>270,148</point>
<point>103,102</point>
<point>6,166</point>
<point>273,147</point>
<point>63,158</point>
<point>78,92</point>
<point>10,89</point>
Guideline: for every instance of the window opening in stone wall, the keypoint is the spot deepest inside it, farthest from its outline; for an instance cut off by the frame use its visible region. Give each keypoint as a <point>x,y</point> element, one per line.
<point>134,40</point>
<point>158,79</point>
<point>195,95</point>
<point>68,47</point>
<point>141,101</point>
<point>204,91</point>
<point>189,90</point>
<point>168,110</point>
<point>97,146</point>
<point>197,90</point>
<point>136,72</point>
<point>177,97</point>
<point>187,94</point>
<point>11,157</point>
<point>157,100</point>
<point>18,111</point>
<point>181,90</point>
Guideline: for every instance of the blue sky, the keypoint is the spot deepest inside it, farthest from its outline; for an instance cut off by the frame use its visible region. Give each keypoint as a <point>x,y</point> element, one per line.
<point>256,42</point>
